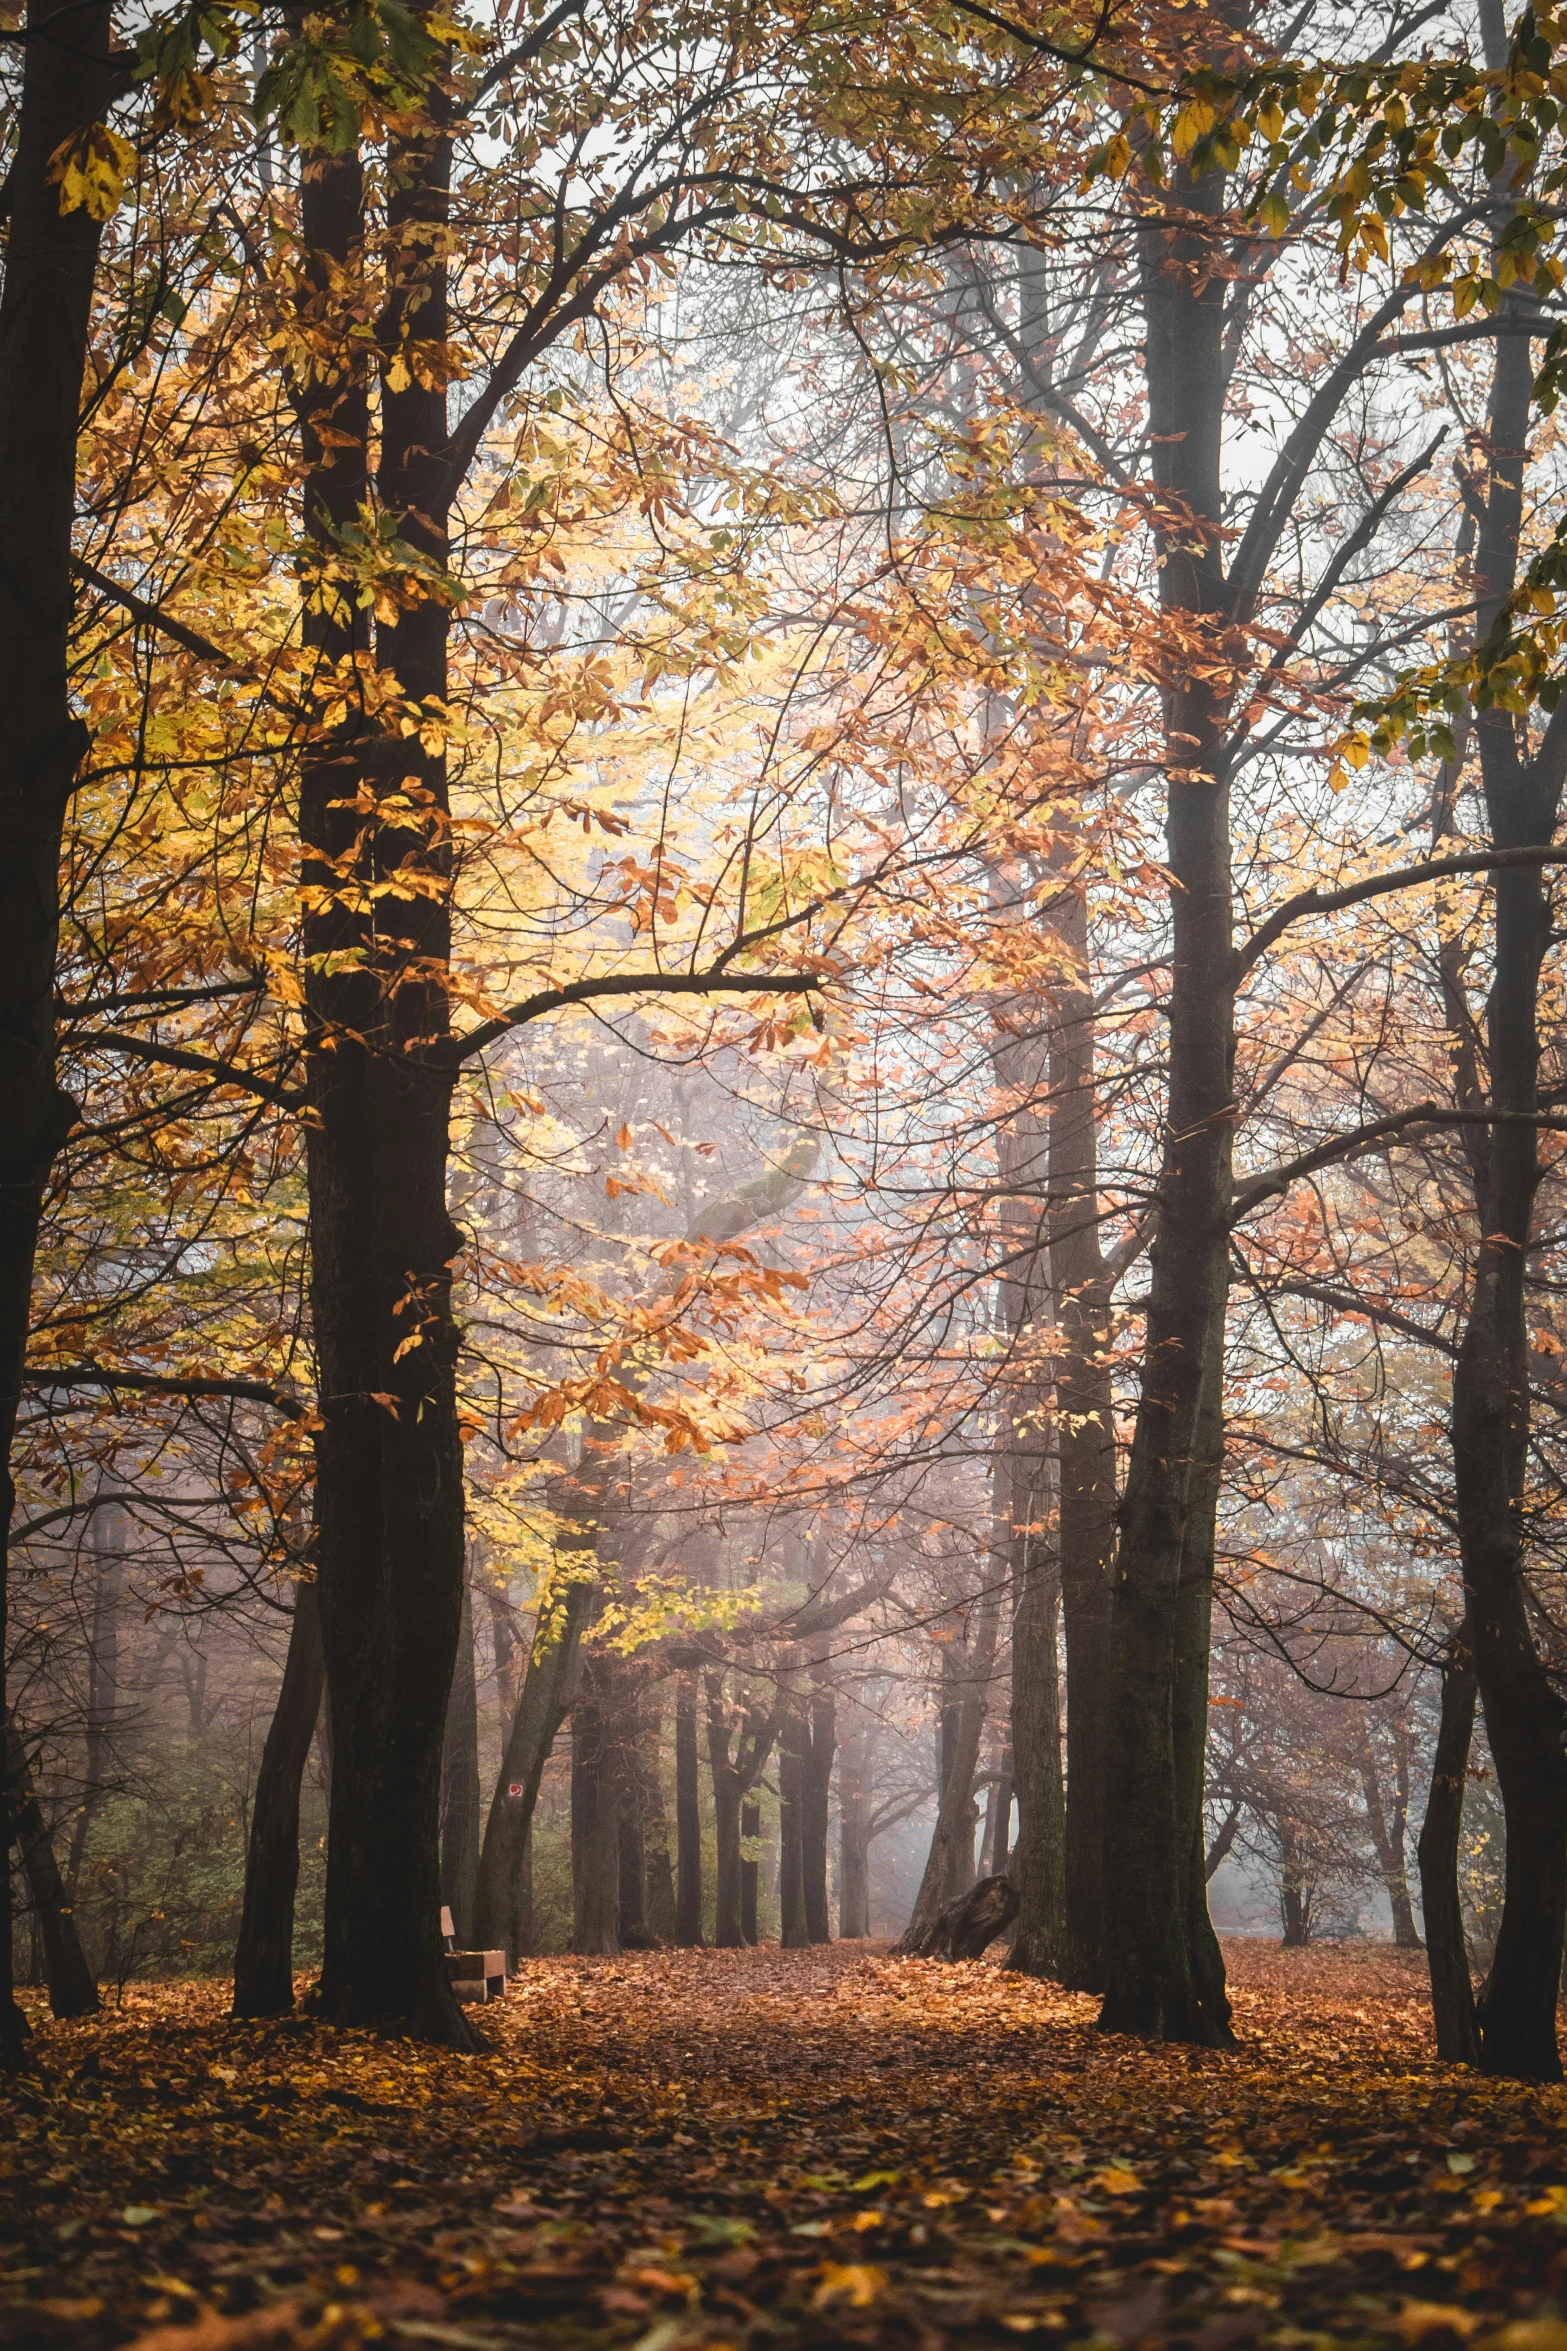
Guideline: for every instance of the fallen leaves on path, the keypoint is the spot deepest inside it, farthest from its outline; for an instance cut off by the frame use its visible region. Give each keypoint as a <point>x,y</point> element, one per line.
<point>695,2149</point>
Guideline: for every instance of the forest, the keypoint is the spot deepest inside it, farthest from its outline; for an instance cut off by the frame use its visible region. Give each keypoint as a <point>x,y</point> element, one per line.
<point>783,1243</point>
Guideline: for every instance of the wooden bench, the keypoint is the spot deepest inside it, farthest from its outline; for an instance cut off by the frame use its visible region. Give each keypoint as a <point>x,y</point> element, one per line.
<point>476,1975</point>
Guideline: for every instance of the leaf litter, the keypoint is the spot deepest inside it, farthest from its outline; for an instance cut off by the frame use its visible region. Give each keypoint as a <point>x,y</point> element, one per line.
<point>701,2149</point>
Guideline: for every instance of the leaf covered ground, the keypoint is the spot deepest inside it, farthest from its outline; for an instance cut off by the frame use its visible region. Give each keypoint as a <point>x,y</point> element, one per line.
<point>770,2149</point>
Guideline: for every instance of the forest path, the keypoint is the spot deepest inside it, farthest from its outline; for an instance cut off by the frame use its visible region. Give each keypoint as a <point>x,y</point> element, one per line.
<point>694,2149</point>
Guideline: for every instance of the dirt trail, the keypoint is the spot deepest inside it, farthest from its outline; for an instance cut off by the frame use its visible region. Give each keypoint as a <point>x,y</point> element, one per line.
<point>689,2149</point>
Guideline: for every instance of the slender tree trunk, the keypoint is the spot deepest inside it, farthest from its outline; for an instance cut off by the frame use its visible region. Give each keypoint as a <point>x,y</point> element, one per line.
<point>1155,1982</point>
<point>1295,1891</point>
<point>264,1954</point>
<point>1447,1951</point>
<point>998,1818</point>
<point>595,1818</point>
<point>1387,1840</point>
<point>955,1814</point>
<point>793,1931</point>
<point>816,1810</point>
<point>631,1852</point>
<point>107,1544</point>
<point>548,1689</point>
<point>1524,1716</point>
<point>750,1871</point>
<point>661,1904</point>
<point>510,1655</point>
<point>50,263</point>
<point>1085,1442</point>
<point>1025,1517</point>
<point>460,1789</point>
<point>728,1926</point>
<point>733,1778</point>
<point>1038,1867</point>
<point>1189,1694</point>
<point>688,1817</point>
<point>72,1991</point>
<point>854,1868</point>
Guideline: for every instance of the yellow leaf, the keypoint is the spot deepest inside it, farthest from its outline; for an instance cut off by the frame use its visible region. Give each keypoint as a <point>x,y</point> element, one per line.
<point>1117,2180</point>
<point>91,170</point>
<point>397,377</point>
<point>855,2282</point>
<point>1418,2319</point>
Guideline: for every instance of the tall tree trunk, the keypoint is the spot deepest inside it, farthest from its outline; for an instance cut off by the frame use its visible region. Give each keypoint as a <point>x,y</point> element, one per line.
<point>728,1927</point>
<point>1386,1824</point>
<point>688,1817</point>
<point>50,261</point>
<point>107,1544</point>
<point>1189,1694</point>
<point>998,1818</point>
<point>460,1789</point>
<point>374,806</point>
<point>793,1932</point>
<point>1038,1864</point>
<point>1447,1950</point>
<point>1082,1285</point>
<point>854,1858</point>
<point>510,1656</point>
<point>733,1778</point>
<point>953,1839</point>
<point>1524,1716</point>
<point>1155,1983</point>
<point>660,1900</point>
<point>631,1854</point>
<point>595,1817</point>
<point>72,1991</point>
<point>264,1954</point>
<point>1022,1474</point>
<point>815,1811</point>
<point>1296,1886</point>
<point>750,1872</point>
<point>548,1690</point>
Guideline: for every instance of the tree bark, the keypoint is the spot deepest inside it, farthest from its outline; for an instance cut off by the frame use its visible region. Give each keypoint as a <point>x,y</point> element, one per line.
<point>1387,1824</point>
<point>733,1778</point>
<point>854,1864</point>
<point>548,1688</point>
<point>997,1847</point>
<point>1155,1982</point>
<point>793,1931</point>
<point>1082,1285</point>
<point>1038,1865</point>
<point>1524,1716</point>
<point>460,1789</point>
<point>106,1542</point>
<point>750,1872</point>
<point>595,1818</point>
<point>1189,1696</point>
<point>264,1954</point>
<point>955,1813</point>
<point>1447,1950</point>
<point>815,1811</point>
<point>688,1817</point>
<point>72,1991</point>
<point>660,1904</point>
<point>51,259</point>
<point>1023,1477</point>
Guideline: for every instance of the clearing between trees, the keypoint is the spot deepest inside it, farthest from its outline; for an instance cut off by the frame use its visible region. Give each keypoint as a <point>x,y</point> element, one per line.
<point>702,2148</point>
